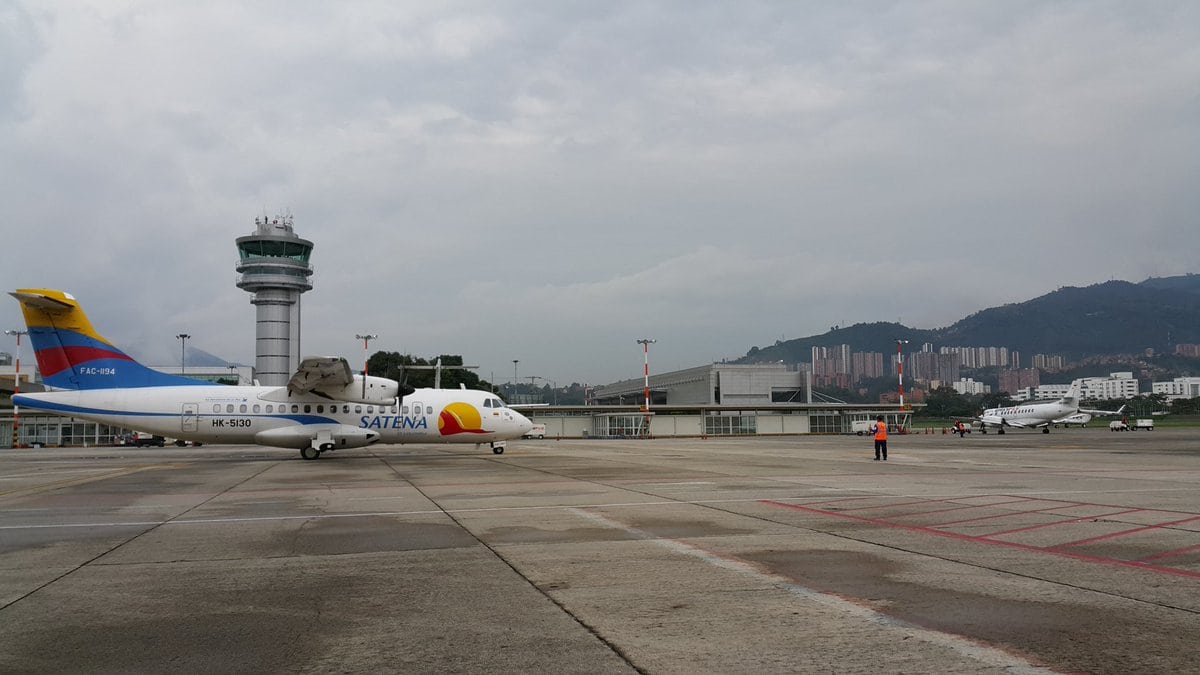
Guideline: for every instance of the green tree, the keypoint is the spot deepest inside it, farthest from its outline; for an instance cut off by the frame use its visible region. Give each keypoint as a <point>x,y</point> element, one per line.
<point>1186,406</point>
<point>397,366</point>
<point>996,400</point>
<point>945,402</point>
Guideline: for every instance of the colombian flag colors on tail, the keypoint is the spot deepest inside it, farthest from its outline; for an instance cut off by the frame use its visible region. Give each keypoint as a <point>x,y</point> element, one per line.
<point>72,355</point>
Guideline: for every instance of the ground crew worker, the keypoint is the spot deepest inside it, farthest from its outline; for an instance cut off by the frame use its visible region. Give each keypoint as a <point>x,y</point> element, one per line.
<point>880,431</point>
<point>960,428</point>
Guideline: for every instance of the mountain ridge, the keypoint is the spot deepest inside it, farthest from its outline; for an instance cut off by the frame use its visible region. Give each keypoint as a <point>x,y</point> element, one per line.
<point>1111,317</point>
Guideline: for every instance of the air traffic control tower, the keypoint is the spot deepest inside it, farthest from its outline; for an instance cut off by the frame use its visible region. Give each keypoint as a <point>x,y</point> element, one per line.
<point>274,267</point>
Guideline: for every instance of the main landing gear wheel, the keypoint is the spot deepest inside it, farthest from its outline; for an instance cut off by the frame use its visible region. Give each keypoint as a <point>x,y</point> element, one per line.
<point>1045,430</point>
<point>310,452</point>
<point>498,449</point>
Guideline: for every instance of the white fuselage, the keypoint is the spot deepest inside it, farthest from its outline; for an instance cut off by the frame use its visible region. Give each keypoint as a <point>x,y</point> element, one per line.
<point>269,416</point>
<point>1028,415</point>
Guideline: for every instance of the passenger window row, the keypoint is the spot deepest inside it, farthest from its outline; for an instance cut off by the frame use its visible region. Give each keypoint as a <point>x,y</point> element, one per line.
<point>320,409</point>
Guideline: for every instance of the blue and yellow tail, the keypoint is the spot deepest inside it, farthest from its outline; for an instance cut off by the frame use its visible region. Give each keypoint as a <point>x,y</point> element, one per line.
<point>72,355</point>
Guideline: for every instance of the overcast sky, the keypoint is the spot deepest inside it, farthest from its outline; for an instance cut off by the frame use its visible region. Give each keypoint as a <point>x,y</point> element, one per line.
<point>549,181</point>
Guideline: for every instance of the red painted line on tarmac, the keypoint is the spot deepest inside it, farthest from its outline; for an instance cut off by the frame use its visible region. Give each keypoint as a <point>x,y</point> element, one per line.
<point>1170,554</point>
<point>834,501</point>
<point>1122,534</point>
<point>960,507</point>
<point>1107,506</point>
<point>990,542</point>
<point>1080,519</point>
<point>888,506</point>
<point>1010,514</point>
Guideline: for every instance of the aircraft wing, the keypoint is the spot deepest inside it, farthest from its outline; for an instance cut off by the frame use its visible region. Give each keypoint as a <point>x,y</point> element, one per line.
<point>1002,422</point>
<point>1119,411</point>
<point>318,372</point>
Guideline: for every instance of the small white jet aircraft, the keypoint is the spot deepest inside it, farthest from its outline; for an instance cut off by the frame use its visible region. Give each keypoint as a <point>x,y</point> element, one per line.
<point>323,407</point>
<point>1039,413</point>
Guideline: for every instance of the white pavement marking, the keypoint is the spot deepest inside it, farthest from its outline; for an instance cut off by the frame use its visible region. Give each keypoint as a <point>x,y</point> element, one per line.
<point>982,653</point>
<point>46,474</point>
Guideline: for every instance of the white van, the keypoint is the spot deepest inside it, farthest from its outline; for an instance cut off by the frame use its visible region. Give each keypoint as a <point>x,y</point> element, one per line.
<point>860,427</point>
<point>538,431</point>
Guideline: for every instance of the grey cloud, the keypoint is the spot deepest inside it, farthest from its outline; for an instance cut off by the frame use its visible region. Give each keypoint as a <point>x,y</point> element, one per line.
<point>547,181</point>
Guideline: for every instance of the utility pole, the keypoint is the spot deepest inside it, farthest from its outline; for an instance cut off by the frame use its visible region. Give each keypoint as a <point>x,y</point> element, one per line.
<point>183,338</point>
<point>17,388</point>
<point>366,338</point>
<point>514,394</point>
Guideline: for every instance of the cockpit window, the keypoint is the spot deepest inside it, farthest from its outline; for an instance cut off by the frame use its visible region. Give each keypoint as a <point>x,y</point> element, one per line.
<point>497,403</point>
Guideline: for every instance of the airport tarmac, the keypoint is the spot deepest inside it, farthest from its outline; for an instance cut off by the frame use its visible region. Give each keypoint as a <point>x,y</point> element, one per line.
<point>1076,551</point>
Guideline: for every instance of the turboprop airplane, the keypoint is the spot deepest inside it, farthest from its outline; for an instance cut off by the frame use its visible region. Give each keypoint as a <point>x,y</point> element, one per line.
<point>1039,413</point>
<point>323,407</point>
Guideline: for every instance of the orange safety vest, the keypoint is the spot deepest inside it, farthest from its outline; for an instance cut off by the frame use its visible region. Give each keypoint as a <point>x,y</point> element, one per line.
<point>881,431</point>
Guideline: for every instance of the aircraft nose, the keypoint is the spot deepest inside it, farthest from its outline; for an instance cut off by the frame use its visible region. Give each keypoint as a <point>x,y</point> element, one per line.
<point>523,423</point>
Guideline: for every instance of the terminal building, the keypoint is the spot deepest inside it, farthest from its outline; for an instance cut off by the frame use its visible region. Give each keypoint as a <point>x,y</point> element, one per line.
<point>714,384</point>
<point>719,399</point>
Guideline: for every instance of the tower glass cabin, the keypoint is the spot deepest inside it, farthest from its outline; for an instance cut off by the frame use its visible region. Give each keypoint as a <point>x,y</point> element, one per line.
<point>273,263</point>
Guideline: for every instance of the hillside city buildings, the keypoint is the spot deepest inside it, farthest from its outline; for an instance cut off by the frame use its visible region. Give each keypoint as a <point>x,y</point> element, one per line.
<point>927,369</point>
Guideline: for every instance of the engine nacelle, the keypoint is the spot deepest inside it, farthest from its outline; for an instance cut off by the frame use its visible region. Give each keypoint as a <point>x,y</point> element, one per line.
<point>378,391</point>
<point>340,435</point>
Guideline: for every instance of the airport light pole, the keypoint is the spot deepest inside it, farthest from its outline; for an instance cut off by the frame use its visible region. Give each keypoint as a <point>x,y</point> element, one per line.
<point>366,338</point>
<point>183,338</point>
<point>17,388</point>
<point>515,380</point>
<point>645,343</point>
<point>900,366</point>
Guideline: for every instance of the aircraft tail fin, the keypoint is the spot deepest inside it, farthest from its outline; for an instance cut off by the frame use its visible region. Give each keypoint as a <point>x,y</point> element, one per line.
<point>1072,396</point>
<point>72,355</point>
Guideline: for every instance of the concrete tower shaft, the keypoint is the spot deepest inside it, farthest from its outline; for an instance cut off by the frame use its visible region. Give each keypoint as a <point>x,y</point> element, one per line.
<point>274,266</point>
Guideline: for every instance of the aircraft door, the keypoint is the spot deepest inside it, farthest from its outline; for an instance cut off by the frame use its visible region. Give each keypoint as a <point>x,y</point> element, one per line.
<point>189,418</point>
